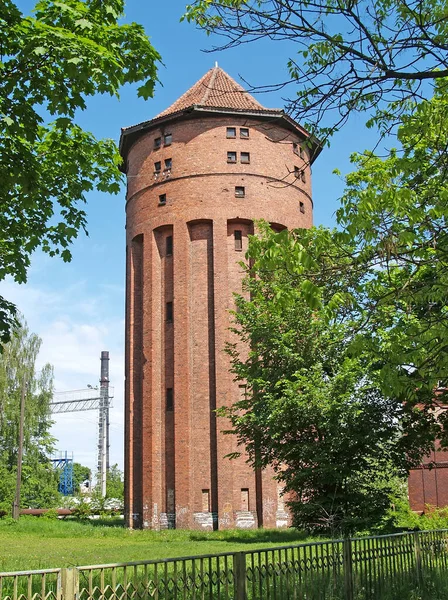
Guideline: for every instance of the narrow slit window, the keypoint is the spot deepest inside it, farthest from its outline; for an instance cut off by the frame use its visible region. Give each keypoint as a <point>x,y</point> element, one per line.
<point>244,498</point>
<point>244,132</point>
<point>301,152</point>
<point>168,163</point>
<point>157,167</point>
<point>302,207</point>
<point>162,199</point>
<point>169,245</point>
<point>303,176</point>
<point>238,239</point>
<point>168,139</point>
<point>245,157</point>
<point>169,312</point>
<point>169,399</point>
<point>296,172</point>
<point>231,157</point>
<point>296,148</point>
<point>157,143</point>
<point>205,500</point>
<point>240,191</point>
<point>231,132</point>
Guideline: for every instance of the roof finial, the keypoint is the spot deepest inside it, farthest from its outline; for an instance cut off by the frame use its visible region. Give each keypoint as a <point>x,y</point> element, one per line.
<point>216,64</point>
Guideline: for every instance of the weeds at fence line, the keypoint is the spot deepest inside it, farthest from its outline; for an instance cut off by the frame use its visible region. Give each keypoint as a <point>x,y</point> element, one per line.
<point>404,566</point>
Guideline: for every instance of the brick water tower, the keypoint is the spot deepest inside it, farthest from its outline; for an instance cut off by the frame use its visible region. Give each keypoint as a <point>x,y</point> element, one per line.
<point>199,174</point>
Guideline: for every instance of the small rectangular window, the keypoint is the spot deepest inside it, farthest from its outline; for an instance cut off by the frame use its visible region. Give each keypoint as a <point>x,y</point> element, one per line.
<point>303,176</point>
<point>169,245</point>
<point>167,139</point>
<point>169,399</point>
<point>168,163</point>
<point>157,143</point>
<point>244,498</point>
<point>231,132</point>
<point>244,132</point>
<point>240,191</point>
<point>157,167</point>
<point>296,148</point>
<point>238,239</point>
<point>162,199</point>
<point>205,500</point>
<point>231,157</point>
<point>297,172</point>
<point>169,312</point>
<point>301,152</point>
<point>245,157</point>
<point>302,207</point>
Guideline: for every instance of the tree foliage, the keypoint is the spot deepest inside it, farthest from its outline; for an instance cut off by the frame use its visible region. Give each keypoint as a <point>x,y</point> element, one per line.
<point>80,475</point>
<point>389,60</point>
<point>394,211</point>
<point>18,365</point>
<point>314,409</point>
<point>115,483</point>
<point>371,56</point>
<point>50,64</point>
<point>392,239</point>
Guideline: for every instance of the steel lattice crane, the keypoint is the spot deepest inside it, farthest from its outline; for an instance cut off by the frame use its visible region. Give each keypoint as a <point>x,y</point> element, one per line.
<point>92,399</point>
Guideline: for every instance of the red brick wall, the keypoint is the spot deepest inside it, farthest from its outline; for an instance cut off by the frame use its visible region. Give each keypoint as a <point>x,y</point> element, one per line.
<point>174,458</point>
<point>428,485</point>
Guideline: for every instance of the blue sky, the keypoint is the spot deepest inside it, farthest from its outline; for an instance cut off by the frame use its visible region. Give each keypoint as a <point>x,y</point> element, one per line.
<point>78,308</point>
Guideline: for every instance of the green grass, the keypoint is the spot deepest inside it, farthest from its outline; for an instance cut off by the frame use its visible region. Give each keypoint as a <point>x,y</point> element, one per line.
<point>37,543</point>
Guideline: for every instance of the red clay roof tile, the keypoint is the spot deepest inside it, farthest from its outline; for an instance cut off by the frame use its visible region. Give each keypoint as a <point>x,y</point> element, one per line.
<point>215,89</point>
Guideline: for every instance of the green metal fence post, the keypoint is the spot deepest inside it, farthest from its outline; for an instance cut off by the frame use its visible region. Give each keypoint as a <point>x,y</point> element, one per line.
<point>418,558</point>
<point>68,584</point>
<point>348,570</point>
<point>239,574</point>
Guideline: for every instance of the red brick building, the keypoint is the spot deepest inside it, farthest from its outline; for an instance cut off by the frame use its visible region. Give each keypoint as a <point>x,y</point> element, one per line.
<point>428,484</point>
<point>199,174</point>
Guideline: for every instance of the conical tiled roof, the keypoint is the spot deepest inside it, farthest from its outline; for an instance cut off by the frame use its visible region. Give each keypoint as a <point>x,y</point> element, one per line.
<point>215,92</point>
<point>215,89</point>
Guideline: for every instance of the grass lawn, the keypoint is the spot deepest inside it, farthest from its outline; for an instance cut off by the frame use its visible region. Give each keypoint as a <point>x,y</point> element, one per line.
<point>37,543</point>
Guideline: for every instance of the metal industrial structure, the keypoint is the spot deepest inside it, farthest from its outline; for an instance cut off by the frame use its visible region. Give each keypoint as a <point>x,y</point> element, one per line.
<point>64,462</point>
<point>92,399</point>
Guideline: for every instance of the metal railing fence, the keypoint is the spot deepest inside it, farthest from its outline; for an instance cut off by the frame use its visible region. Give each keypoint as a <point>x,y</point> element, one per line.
<point>391,567</point>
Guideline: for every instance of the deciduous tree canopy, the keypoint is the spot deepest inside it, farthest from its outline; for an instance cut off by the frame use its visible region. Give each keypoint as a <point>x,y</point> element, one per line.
<point>375,291</point>
<point>345,55</point>
<point>51,63</point>
<point>314,408</point>
<point>39,479</point>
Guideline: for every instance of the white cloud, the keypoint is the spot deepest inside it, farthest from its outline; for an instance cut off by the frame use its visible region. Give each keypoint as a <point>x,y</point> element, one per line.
<point>75,325</point>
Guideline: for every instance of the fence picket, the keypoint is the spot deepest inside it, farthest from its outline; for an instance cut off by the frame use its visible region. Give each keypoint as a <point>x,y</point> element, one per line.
<point>362,568</point>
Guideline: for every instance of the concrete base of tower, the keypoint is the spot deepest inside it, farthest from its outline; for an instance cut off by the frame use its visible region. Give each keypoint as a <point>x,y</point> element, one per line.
<point>133,520</point>
<point>204,520</point>
<point>245,519</point>
<point>282,519</point>
<point>273,518</point>
<point>167,521</point>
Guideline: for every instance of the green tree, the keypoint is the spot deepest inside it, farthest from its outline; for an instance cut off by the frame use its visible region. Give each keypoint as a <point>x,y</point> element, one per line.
<point>389,60</point>
<point>374,56</point>
<point>115,483</point>
<point>313,409</point>
<point>50,64</point>
<point>394,211</point>
<point>39,480</point>
<point>80,474</point>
